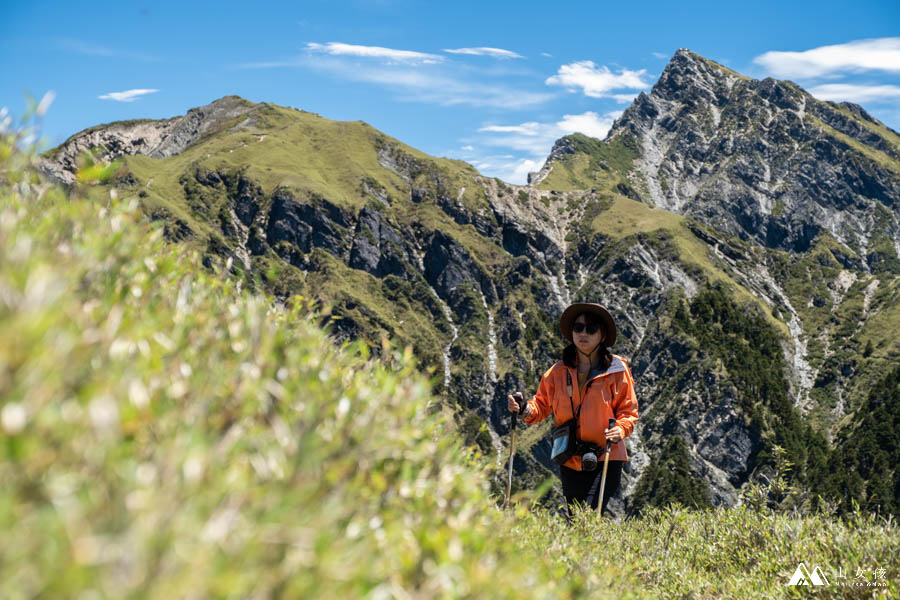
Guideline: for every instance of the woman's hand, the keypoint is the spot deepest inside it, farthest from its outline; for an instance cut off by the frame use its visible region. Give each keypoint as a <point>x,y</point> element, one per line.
<point>614,434</point>
<point>515,406</point>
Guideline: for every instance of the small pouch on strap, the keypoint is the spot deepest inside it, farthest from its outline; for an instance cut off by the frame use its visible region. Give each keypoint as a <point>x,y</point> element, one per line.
<point>563,438</point>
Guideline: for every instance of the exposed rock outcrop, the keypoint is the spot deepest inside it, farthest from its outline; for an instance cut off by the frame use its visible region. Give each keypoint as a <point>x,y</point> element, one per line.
<point>763,160</point>
<point>155,138</point>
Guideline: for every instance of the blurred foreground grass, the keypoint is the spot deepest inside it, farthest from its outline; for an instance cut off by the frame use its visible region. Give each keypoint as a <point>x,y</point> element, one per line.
<point>165,434</point>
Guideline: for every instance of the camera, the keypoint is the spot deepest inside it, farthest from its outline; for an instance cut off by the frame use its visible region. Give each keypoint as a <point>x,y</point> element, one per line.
<point>589,458</point>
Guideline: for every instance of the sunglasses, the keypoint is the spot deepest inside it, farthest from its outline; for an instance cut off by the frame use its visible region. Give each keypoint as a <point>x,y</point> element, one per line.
<point>589,329</point>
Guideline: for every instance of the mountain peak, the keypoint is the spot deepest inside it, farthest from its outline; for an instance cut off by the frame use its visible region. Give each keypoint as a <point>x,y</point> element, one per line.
<point>687,78</point>
<point>758,159</point>
<point>689,73</point>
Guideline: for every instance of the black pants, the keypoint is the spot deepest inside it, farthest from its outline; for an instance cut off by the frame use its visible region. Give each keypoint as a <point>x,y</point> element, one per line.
<point>577,484</point>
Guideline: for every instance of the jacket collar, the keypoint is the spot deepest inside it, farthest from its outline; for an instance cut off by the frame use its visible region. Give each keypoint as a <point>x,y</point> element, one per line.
<point>615,366</point>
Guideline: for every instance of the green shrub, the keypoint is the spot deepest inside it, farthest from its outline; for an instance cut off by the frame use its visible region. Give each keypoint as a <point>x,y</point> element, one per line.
<point>167,434</point>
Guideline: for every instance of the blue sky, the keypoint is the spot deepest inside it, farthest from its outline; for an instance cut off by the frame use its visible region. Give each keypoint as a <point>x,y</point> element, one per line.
<point>492,83</point>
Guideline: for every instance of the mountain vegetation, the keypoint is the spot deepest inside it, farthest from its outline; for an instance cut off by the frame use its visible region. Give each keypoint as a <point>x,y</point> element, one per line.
<point>167,432</point>
<point>862,472</point>
<point>743,234</point>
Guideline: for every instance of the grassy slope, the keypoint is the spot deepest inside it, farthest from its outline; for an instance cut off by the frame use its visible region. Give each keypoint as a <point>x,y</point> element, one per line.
<point>629,217</point>
<point>595,163</point>
<point>293,149</point>
<point>167,435</point>
<point>878,128</point>
<point>838,333</point>
<point>301,151</point>
<point>317,157</point>
<point>873,154</point>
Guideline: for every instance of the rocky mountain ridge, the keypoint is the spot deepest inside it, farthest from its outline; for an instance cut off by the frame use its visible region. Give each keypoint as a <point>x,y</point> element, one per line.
<point>473,272</point>
<point>157,139</point>
<point>764,160</point>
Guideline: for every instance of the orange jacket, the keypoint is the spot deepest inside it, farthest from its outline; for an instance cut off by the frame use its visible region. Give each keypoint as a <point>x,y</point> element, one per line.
<point>610,394</point>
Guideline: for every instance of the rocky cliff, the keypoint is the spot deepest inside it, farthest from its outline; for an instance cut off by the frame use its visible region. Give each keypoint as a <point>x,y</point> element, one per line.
<point>743,235</point>
<point>157,139</point>
<point>764,160</point>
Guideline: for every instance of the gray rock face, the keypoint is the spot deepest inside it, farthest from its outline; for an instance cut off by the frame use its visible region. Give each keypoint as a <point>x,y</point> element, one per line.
<point>448,265</point>
<point>304,226</point>
<point>378,248</point>
<point>682,394</point>
<point>158,139</point>
<point>763,160</point>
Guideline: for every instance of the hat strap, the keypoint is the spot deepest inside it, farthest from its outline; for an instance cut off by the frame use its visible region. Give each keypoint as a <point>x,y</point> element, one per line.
<point>594,349</point>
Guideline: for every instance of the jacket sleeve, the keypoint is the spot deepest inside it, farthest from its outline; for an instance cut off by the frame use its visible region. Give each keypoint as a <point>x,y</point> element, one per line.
<point>541,403</point>
<point>625,407</point>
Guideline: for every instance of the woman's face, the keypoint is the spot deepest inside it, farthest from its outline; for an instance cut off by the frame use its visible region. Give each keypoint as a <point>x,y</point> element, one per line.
<point>585,341</point>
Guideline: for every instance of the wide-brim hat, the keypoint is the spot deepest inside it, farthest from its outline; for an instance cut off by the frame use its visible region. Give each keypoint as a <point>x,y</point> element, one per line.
<point>567,321</point>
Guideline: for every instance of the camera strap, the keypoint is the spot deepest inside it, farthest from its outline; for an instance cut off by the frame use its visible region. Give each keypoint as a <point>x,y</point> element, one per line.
<point>569,389</point>
<point>576,416</point>
<point>565,436</point>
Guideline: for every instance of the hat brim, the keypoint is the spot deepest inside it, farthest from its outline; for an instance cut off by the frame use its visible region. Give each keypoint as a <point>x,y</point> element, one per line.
<point>567,321</point>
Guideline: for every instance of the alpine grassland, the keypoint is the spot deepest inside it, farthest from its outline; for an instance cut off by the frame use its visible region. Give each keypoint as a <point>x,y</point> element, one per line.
<point>166,432</point>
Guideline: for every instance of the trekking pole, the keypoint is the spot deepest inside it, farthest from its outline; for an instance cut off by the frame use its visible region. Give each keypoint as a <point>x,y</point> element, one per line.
<point>512,448</point>
<point>612,423</point>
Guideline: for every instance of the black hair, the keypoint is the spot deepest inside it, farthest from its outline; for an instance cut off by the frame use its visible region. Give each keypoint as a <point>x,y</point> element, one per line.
<point>570,352</point>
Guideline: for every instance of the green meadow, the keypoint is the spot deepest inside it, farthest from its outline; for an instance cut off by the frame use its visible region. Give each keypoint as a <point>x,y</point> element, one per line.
<point>167,433</point>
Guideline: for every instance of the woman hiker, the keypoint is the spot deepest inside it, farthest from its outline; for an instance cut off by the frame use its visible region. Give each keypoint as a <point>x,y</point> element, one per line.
<point>583,391</point>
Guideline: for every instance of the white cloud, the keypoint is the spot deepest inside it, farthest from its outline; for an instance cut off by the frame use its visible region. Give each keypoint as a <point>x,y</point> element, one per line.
<point>126,96</point>
<point>508,168</point>
<point>435,85</point>
<point>414,76</point>
<point>520,171</point>
<point>272,64</point>
<point>623,98</point>
<point>548,55</point>
<point>589,123</point>
<point>880,54</point>
<point>86,48</point>
<point>847,92</point>
<point>493,52</point>
<point>537,138</point>
<point>660,55</point>
<point>468,148</point>
<point>597,82</point>
<point>45,103</point>
<point>535,141</point>
<point>339,49</point>
<point>530,128</point>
